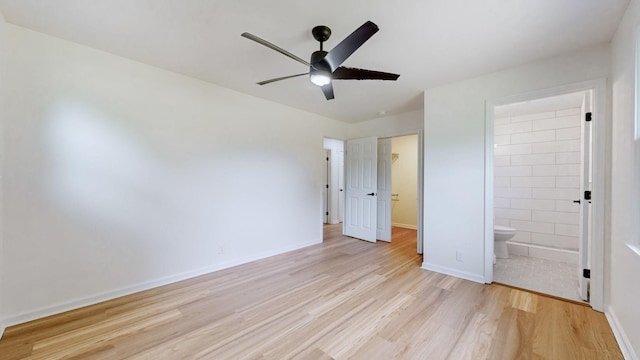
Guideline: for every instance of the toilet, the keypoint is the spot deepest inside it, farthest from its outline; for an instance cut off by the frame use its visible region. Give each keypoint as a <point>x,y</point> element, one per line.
<point>500,235</point>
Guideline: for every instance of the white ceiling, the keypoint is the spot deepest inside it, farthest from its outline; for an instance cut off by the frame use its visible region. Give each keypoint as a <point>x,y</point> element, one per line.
<point>427,42</point>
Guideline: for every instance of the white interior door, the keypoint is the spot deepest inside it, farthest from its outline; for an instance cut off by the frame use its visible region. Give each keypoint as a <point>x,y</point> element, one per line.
<point>420,189</point>
<point>341,185</point>
<point>325,189</point>
<point>383,230</point>
<point>585,202</point>
<point>361,187</point>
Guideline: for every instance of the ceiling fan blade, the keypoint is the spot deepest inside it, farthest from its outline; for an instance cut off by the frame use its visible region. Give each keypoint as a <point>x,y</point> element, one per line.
<point>345,73</point>
<point>351,43</point>
<point>280,78</point>
<point>274,47</point>
<point>328,91</point>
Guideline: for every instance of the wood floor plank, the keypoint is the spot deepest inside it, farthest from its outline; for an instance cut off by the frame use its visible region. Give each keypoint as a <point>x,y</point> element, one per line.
<point>342,299</point>
<point>523,300</point>
<point>513,336</point>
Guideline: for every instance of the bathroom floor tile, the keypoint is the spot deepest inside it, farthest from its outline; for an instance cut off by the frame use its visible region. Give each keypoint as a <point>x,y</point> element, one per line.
<point>541,275</point>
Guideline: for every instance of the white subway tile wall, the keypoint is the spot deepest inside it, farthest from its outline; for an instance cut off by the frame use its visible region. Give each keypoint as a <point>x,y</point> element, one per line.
<point>537,175</point>
<point>538,159</point>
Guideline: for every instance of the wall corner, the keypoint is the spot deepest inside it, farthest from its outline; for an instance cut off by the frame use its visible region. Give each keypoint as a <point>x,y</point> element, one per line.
<point>621,337</point>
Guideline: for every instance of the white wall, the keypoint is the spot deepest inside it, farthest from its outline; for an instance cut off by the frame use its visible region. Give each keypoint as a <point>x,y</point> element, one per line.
<point>122,176</point>
<point>390,125</point>
<point>404,181</point>
<point>623,291</point>
<point>455,153</point>
<point>536,179</point>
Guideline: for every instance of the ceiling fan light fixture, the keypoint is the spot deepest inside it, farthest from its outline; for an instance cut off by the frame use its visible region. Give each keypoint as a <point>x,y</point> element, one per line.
<point>320,77</point>
<point>326,66</point>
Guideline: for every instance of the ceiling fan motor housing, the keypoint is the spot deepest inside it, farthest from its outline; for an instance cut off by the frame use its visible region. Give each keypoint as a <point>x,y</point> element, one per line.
<point>321,33</point>
<point>318,62</point>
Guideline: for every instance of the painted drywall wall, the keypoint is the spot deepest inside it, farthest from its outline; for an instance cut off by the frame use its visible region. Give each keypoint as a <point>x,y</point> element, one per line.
<point>623,291</point>
<point>454,151</point>
<point>390,125</point>
<point>122,176</point>
<point>404,181</point>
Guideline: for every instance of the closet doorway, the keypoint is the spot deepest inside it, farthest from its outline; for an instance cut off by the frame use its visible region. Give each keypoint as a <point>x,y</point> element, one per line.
<point>397,193</point>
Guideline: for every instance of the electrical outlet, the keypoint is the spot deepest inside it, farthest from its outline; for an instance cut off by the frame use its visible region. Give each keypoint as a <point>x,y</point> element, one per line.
<point>459,256</point>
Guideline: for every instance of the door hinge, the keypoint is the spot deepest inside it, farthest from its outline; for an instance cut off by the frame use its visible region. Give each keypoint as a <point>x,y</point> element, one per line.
<point>586,273</point>
<point>327,158</point>
<point>587,195</point>
<point>327,213</point>
<point>587,116</point>
<point>327,186</point>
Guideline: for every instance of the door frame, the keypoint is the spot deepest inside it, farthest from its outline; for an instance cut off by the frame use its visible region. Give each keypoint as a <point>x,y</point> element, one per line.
<point>335,200</point>
<point>420,148</point>
<point>420,134</point>
<point>420,226</point>
<point>598,86</point>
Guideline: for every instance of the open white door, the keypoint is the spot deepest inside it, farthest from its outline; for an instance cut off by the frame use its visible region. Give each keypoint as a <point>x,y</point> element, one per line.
<point>585,198</point>
<point>420,189</point>
<point>325,189</point>
<point>383,231</point>
<point>361,187</point>
<point>341,185</point>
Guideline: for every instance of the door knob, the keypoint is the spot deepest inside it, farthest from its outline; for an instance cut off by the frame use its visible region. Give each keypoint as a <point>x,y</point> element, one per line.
<point>371,194</point>
<point>576,201</point>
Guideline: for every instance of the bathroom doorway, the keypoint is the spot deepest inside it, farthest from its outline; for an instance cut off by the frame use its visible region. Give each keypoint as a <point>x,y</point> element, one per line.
<point>542,183</point>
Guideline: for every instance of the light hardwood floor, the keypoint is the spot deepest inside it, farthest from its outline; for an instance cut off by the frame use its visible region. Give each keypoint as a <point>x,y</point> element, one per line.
<point>342,299</point>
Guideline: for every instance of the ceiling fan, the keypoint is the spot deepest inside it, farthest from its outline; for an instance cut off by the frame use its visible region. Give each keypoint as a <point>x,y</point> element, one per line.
<point>325,66</point>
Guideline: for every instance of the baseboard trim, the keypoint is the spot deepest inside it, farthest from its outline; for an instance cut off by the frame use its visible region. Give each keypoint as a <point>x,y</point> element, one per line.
<point>405,226</point>
<point>109,295</point>
<point>621,336</point>
<point>3,326</point>
<point>453,272</point>
<point>536,246</point>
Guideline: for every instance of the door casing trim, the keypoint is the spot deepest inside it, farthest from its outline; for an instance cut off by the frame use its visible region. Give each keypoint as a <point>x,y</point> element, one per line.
<point>599,88</point>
